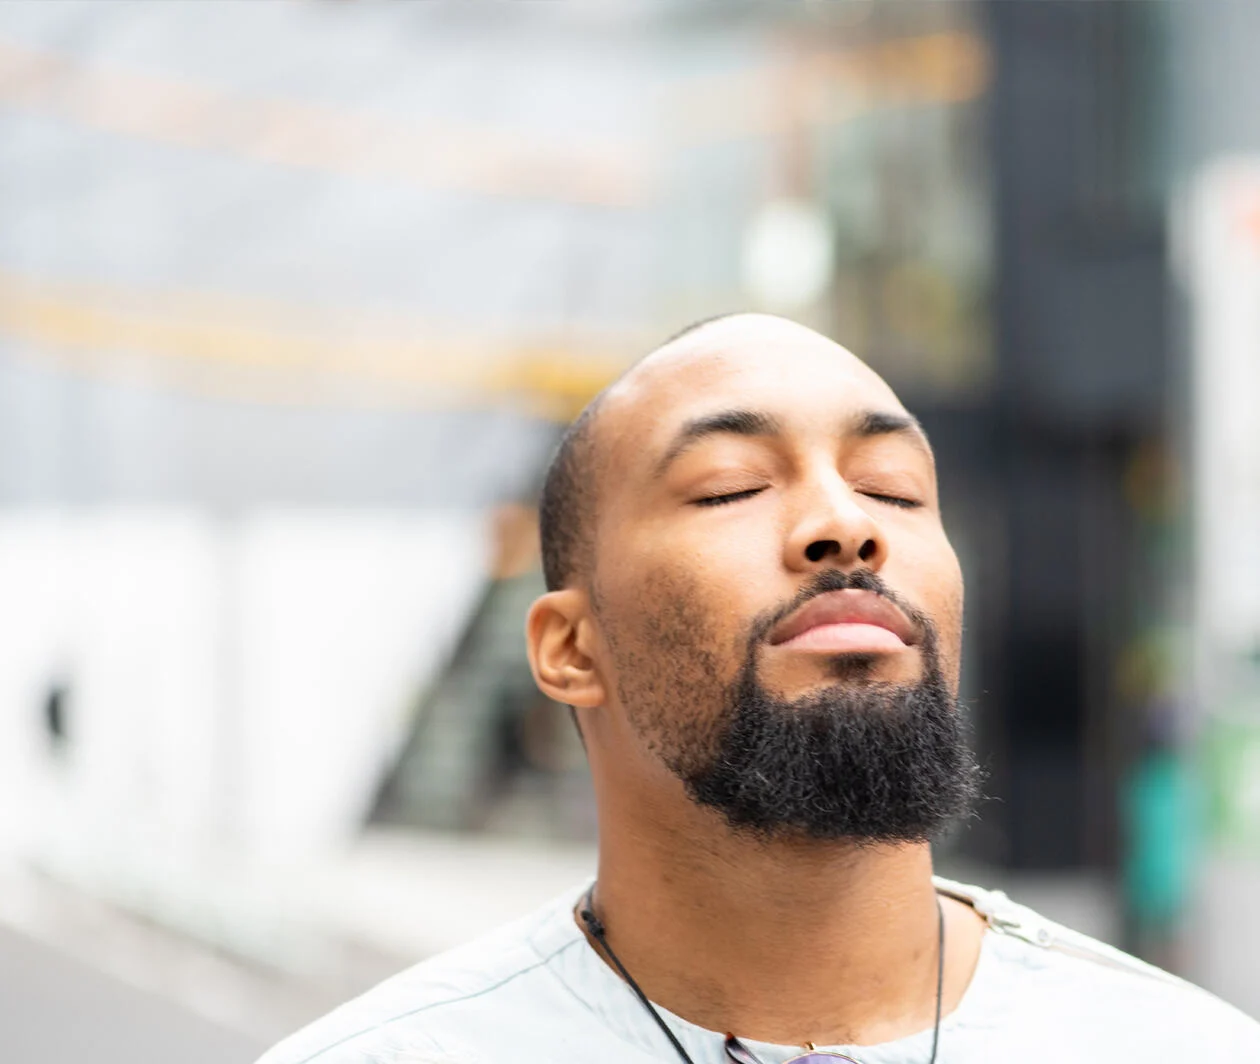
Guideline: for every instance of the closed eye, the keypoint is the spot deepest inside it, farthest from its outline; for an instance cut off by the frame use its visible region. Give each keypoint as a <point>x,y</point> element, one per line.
<point>893,500</point>
<point>723,500</point>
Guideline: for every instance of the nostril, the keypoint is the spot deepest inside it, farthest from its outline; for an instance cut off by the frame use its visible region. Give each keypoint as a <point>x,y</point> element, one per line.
<point>820,548</point>
<point>867,551</point>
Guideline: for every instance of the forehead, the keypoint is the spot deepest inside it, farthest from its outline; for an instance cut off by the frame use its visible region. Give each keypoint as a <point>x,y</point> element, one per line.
<point>749,362</point>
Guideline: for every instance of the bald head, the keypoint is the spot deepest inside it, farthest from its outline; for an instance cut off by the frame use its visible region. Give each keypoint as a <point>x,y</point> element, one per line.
<point>615,420</point>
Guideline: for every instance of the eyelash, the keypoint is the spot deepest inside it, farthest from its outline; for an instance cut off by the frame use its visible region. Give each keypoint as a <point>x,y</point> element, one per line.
<point>893,500</point>
<point>723,500</point>
<point>736,496</point>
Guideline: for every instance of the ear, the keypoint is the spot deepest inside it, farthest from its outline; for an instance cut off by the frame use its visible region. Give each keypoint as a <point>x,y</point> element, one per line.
<point>558,634</point>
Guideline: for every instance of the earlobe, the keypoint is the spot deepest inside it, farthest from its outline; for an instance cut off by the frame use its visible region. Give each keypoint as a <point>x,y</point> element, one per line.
<point>563,668</point>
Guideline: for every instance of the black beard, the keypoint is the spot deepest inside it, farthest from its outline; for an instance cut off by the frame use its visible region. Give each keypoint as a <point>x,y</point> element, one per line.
<point>858,760</point>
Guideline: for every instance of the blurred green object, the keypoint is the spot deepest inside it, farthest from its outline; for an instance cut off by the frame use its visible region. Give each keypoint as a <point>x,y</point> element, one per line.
<point>1162,806</point>
<point>1231,765</point>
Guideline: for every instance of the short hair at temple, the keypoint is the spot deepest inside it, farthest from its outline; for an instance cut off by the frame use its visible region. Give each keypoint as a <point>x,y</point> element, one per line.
<point>566,506</point>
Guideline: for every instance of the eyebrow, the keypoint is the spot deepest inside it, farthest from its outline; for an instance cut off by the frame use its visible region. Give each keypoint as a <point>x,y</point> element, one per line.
<point>734,422</point>
<point>889,423</point>
<point>867,425</point>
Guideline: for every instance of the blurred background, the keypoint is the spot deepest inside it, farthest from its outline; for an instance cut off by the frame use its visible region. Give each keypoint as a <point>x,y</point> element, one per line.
<point>295,298</point>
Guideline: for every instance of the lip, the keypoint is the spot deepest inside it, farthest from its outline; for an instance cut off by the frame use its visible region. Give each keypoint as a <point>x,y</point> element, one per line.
<point>846,620</point>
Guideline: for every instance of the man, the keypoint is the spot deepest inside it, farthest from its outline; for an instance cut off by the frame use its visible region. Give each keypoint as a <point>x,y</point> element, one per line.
<point>756,615</point>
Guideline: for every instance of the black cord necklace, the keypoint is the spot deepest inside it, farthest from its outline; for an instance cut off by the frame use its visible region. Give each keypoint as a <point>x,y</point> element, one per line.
<point>734,1048</point>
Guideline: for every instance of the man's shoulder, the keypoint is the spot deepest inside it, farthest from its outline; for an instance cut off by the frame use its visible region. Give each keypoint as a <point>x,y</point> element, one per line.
<point>399,1021</point>
<point>1086,984</point>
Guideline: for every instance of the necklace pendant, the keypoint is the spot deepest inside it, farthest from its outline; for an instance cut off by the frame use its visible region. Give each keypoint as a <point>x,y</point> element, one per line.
<point>737,1052</point>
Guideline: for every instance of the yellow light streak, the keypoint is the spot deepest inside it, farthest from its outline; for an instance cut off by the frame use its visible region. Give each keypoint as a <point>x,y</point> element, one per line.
<point>256,350</point>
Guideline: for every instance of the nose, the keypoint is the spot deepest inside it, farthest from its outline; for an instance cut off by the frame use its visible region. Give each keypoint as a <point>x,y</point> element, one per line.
<point>831,528</point>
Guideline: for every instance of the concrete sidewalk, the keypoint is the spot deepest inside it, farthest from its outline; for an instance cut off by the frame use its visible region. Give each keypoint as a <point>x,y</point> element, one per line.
<point>55,1010</point>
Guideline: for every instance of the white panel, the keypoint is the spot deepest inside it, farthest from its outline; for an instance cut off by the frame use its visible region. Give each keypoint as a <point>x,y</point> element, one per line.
<point>1225,289</point>
<point>34,635</point>
<point>343,616</point>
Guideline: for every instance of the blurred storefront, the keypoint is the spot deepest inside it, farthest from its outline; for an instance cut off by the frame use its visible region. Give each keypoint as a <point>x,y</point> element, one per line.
<point>1216,216</point>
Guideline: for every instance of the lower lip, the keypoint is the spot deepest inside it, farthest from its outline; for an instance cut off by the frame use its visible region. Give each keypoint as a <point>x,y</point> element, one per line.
<point>846,638</point>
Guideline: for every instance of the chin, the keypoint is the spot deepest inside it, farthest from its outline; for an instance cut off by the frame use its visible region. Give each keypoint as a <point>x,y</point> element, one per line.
<point>868,668</point>
<point>847,670</point>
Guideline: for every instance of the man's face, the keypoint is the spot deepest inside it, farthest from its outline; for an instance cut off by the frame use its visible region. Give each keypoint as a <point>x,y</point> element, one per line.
<point>774,590</point>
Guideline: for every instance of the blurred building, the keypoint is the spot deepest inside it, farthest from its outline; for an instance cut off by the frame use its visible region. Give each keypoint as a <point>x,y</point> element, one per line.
<point>295,298</point>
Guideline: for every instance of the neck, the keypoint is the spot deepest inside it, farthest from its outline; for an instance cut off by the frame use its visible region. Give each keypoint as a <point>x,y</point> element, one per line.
<point>787,941</point>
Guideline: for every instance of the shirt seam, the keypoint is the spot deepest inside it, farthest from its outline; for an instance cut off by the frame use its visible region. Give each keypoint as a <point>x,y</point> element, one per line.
<point>436,1005</point>
<point>591,1009</point>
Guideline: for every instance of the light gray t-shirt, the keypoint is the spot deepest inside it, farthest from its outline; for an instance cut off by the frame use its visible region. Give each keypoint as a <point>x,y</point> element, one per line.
<point>535,992</point>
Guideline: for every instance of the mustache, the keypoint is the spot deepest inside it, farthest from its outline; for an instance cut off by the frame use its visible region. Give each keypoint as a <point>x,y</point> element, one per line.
<point>839,580</point>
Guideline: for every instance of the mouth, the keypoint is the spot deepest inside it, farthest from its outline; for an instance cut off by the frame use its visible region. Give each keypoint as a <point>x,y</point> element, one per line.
<point>849,621</point>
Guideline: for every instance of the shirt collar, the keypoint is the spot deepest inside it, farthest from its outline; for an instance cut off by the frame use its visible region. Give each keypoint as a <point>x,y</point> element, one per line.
<point>585,974</point>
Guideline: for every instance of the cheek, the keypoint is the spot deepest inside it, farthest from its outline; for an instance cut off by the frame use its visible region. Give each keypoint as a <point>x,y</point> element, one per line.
<point>929,575</point>
<point>664,649</point>
<point>652,604</point>
<point>693,582</point>
<point>951,637</point>
<point>947,607</point>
